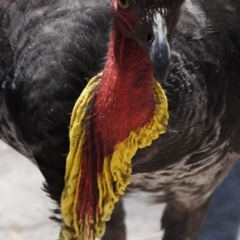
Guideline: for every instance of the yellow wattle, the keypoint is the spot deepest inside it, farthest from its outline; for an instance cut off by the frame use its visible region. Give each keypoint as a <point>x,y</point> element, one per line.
<point>117,167</point>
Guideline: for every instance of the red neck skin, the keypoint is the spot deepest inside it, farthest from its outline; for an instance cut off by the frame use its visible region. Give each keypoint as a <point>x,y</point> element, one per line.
<point>124,99</point>
<point>123,103</point>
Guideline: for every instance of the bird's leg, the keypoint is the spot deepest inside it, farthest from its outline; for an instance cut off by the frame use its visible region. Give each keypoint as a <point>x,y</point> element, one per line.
<point>115,228</point>
<point>181,223</point>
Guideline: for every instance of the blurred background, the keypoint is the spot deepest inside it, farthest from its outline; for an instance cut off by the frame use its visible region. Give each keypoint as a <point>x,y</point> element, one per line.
<point>25,209</point>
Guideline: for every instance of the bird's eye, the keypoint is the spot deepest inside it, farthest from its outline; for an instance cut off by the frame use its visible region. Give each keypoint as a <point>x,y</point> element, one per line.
<point>123,4</point>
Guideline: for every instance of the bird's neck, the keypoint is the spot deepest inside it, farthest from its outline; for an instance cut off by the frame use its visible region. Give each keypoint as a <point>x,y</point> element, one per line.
<point>124,100</point>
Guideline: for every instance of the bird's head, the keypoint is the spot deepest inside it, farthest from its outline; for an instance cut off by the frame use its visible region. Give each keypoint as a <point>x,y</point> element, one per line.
<point>151,23</point>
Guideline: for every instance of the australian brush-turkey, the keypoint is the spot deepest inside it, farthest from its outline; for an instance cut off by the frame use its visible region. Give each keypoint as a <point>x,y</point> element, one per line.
<point>152,89</point>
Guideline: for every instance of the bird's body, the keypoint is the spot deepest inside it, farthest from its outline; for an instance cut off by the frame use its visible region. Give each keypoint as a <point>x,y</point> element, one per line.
<point>49,50</point>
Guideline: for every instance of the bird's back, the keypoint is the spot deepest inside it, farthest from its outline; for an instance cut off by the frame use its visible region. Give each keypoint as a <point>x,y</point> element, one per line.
<point>48,52</point>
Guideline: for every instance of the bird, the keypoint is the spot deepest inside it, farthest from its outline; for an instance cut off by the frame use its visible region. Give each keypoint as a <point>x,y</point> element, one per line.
<point>163,71</point>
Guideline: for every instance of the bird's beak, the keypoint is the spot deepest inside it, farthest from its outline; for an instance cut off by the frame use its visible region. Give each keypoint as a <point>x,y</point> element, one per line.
<point>157,48</point>
<point>159,52</point>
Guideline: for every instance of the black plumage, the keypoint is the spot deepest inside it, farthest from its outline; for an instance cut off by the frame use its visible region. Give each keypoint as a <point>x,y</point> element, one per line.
<point>50,49</point>
<point>47,51</point>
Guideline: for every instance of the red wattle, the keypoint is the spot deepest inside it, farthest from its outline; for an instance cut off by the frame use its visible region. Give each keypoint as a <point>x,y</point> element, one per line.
<point>124,100</point>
